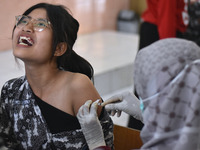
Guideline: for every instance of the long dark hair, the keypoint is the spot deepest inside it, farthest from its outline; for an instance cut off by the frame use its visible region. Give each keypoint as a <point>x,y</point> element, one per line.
<point>65,29</point>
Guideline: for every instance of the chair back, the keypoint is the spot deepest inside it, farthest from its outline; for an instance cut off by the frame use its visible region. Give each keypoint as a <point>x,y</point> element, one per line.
<point>126,138</point>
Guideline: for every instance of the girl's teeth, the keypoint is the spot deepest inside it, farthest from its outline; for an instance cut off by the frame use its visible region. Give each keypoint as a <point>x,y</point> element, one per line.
<point>25,41</point>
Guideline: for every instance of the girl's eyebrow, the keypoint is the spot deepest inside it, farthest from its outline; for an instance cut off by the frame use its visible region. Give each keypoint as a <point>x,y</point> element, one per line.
<point>37,18</point>
<point>27,16</point>
<point>43,19</point>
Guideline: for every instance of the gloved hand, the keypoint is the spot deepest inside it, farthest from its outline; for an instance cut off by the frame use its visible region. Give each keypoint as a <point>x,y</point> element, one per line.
<point>90,124</point>
<point>126,102</point>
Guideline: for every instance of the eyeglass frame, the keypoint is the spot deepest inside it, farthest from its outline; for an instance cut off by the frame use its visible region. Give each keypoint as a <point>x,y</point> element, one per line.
<point>30,19</point>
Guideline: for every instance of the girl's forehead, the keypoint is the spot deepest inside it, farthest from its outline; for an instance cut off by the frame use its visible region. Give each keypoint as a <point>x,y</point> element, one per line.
<point>38,13</point>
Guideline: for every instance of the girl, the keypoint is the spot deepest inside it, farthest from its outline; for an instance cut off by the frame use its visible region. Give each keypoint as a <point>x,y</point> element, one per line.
<point>38,110</point>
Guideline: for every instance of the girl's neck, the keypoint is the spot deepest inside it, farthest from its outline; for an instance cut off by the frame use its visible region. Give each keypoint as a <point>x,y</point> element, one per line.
<point>42,79</point>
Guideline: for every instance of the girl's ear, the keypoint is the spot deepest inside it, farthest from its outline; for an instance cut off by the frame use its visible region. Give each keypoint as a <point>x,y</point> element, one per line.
<point>61,48</point>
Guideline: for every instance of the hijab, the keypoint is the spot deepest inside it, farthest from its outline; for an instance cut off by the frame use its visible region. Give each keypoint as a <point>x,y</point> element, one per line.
<point>167,79</point>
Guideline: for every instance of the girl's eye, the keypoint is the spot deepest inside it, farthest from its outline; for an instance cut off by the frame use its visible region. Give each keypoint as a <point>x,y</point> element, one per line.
<point>41,24</point>
<point>23,21</point>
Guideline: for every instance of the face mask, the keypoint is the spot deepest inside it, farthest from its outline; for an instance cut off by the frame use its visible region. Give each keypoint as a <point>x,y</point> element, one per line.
<point>141,104</point>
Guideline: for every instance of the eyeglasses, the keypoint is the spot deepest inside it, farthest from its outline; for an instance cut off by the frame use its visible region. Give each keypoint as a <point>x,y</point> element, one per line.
<point>38,24</point>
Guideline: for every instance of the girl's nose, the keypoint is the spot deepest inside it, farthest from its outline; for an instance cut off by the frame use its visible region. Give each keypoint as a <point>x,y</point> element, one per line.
<point>28,27</point>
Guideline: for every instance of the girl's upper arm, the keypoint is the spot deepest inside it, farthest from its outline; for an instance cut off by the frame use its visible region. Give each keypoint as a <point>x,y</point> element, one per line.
<point>84,90</point>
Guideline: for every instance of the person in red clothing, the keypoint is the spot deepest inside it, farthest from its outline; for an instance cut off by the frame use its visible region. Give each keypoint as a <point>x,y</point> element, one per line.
<point>163,19</point>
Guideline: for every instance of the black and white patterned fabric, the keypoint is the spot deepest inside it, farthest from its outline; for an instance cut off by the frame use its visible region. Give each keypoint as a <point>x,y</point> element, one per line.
<point>193,29</point>
<point>167,78</point>
<point>22,125</point>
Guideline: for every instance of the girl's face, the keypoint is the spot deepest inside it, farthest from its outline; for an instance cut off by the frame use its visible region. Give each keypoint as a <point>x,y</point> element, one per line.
<point>30,45</point>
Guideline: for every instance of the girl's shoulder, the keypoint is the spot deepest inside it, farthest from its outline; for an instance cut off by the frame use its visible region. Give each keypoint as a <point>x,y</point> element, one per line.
<point>81,89</point>
<point>77,80</point>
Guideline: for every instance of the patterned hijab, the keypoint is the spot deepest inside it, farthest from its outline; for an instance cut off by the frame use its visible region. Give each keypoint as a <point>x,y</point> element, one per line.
<point>167,78</point>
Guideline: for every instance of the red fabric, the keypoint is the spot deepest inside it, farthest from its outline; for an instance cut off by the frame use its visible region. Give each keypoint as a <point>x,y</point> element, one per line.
<point>167,15</point>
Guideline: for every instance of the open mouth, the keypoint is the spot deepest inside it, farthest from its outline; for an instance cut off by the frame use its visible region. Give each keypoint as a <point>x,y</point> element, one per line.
<point>27,41</point>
